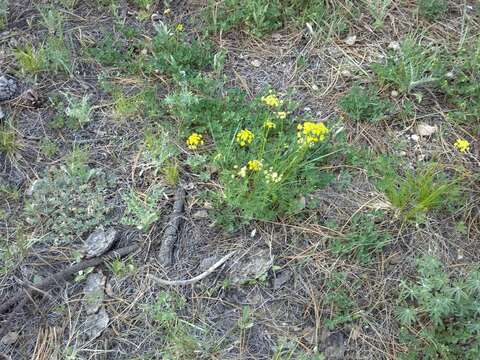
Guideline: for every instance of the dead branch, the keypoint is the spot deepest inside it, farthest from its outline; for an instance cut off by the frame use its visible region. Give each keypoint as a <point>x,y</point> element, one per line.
<point>170,234</point>
<point>195,279</point>
<point>65,275</point>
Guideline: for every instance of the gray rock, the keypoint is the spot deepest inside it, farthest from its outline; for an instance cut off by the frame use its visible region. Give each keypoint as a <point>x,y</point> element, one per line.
<point>8,87</point>
<point>94,291</point>
<point>99,242</point>
<point>95,324</point>
<point>281,278</point>
<point>251,267</point>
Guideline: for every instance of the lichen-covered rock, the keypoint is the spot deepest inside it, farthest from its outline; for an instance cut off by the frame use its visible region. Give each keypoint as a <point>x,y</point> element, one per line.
<point>8,87</point>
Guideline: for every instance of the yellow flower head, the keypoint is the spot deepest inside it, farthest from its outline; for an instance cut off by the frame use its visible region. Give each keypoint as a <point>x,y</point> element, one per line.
<point>310,133</point>
<point>271,100</point>
<point>179,27</point>
<point>462,145</point>
<point>244,137</point>
<point>281,115</point>
<point>269,124</point>
<point>167,11</point>
<point>194,141</point>
<point>255,165</point>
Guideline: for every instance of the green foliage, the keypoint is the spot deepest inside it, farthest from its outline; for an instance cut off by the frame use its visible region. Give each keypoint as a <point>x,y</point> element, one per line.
<point>70,201</point>
<point>378,9</point>
<point>259,17</point>
<point>439,313</point>
<point>339,300</point>
<point>31,59</point>
<point>48,147</point>
<point>3,14</point>
<point>420,191</point>
<point>78,112</point>
<point>52,19</point>
<point>8,139</point>
<point>142,209</point>
<point>178,342</point>
<point>432,9</point>
<point>363,240</point>
<point>173,54</point>
<point>463,90</point>
<point>412,66</point>
<point>158,149</point>
<point>58,55</point>
<point>362,104</point>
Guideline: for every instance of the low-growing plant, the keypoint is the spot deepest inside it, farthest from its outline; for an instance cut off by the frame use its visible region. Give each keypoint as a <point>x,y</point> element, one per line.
<point>439,313</point>
<point>420,191</point>
<point>432,9</point>
<point>412,66</point>
<point>31,60</point>
<point>378,9</point>
<point>8,139</point>
<point>52,19</point>
<point>463,87</point>
<point>58,55</point>
<point>363,241</point>
<point>70,201</point>
<point>78,111</point>
<point>338,301</point>
<point>364,104</point>
<point>48,147</point>
<point>142,209</point>
<point>158,149</point>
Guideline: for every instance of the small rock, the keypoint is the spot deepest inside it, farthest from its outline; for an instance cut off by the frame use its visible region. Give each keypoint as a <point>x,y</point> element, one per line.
<point>281,278</point>
<point>2,114</point>
<point>414,137</point>
<point>426,130</point>
<point>250,268</point>
<point>200,214</point>
<point>256,63</point>
<point>8,87</point>
<point>346,73</point>
<point>99,242</point>
<point>94,291</point>
<point>95,324</point>
<point>351,40</point>
<point>334,346</point>
<point>394,93</point>
<point>10,338</point>
<point>394,45</point>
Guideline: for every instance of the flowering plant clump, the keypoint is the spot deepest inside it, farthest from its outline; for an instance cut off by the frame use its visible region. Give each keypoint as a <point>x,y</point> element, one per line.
<point>194,141</point>
<point>271,100</point>
<point>244,137</point>
<point>255,165</point>
<point>462,145</point>
<point>272,176</point>
<point>269,124</point>
<point>310,133</point>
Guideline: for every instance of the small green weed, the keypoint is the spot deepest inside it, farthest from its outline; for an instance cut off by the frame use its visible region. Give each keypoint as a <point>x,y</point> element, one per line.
<point>432,9</point>
<point>378,9</point>
<point>363,240</point>
<point>58,55</point>
<point>52,20</point>
<point>338,300</point>
<point>412,66</point>
<point>420,191</point>
<point>158,149</point>
<point>3,14</point>
<point>362,104</point>
<point>8,139</point>
<point>142,209</point>
<point>31,59</point>
<point>48,147</point>
<point>78,112</point>
<point>439,313</point>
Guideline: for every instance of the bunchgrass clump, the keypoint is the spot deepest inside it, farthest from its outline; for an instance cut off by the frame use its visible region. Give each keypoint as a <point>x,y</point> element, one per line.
<point>418,192</point>
<point>432,9</point>
<point>439,314</point>
<point>30,59</point>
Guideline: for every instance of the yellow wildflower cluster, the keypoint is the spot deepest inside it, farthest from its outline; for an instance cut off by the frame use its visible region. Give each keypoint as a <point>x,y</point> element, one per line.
<point>179,27</point>
<point>310,133</point>
<point>244,137</point>
<point>272,176</point>
<point>462,145</point>
<point>281,115</point>
<point>271,100</point>
<point>255,165</point>
<point>194,141</point>
<point>269,124</point>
